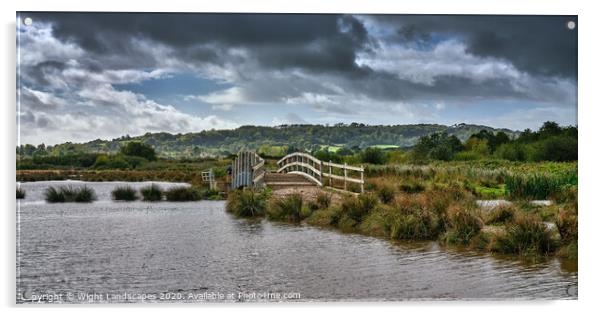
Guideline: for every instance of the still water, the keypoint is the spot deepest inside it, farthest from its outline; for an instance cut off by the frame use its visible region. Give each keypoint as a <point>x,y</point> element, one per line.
<point>194,251</point>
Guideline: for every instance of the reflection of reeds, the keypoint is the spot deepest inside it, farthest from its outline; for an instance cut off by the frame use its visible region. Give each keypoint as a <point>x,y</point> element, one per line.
<point>69,194</point>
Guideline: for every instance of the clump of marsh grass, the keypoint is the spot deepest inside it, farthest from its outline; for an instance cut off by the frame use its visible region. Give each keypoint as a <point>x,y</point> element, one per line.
<point>412,187</point>
<point>462,225</point>
<point>413,220</point>
<point>566,222</point>
<point>69,194</point>
<point>182,194</point>
<point>247,203</point>
<point>386,193</point>
<point>323,200</point>
<point>357,207</point>
<point>501,215</point>
<point>151,193</point>
<point>527,235</point>
<point>20,193</point>
<point>288,208</point>
<point>124,193</point>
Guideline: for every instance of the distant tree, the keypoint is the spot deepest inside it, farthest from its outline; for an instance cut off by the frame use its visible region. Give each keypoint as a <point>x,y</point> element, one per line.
<point>438,146</point>
<point>374,155</point>
<point>139,149</point>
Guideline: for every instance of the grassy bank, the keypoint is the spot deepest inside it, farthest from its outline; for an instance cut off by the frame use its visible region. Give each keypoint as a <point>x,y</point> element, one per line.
<point>447,214</point>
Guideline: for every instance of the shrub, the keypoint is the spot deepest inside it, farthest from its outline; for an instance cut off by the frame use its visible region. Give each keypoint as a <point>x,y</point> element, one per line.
<point>20,193</point>
<point>323,199</point>
<point>287,208</point>
<point>386,193</point>
<point>526,236</point>
<point>247,203</point>
<point>124,193</point>
<point>152,193</point>
<point>501,214</point>
<point>180,194</point>
<point>462,225</point>
<point>69,194</point>
<point>139,149</point>
<point>374,155</point>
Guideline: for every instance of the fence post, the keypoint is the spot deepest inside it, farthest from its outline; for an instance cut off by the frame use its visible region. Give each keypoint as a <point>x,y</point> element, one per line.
<point>330,172</point>
<point>362,177</point>
<point>345,173</point>
<point>321,172</point>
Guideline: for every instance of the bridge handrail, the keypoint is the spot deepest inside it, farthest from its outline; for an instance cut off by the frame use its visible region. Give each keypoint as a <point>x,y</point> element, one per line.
<point>308,156</point>
<point>285,165</point>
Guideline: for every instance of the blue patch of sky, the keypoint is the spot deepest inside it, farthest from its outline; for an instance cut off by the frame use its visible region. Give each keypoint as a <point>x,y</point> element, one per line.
<point>174,88</point>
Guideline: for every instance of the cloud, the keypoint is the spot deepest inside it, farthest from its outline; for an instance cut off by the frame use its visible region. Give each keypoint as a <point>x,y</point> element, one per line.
<point>381,68</point>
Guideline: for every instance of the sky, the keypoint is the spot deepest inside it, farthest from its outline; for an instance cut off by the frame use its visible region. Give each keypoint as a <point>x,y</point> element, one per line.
<point>86,76</point>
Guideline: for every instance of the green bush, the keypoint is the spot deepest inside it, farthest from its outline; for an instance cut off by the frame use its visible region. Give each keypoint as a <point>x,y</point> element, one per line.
<point>374,155</point>
<point>124,193</point>
<point>20,193</point>
<point>247,203</point>
<point>181,194</point>
<point>287,208</point>
<point>386,193</point>
<point>527,235</point>
<point>151,193</point>
<point>69,194</point>
<point>139,149</point>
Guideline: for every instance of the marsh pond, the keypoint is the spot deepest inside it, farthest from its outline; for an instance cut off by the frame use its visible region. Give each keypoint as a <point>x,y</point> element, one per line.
<point>109,251</point>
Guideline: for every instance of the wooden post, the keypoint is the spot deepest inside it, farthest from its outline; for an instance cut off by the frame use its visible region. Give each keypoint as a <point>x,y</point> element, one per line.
<point>362,177</point>
<point>330,172</point>
<point>321,173</point>
<point>345,172</point>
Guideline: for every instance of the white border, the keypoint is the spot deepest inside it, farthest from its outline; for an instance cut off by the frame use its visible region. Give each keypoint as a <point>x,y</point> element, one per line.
<point>589,27</point>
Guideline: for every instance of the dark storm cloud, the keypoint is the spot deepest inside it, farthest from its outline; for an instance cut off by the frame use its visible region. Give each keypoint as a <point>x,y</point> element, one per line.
<point>541,45</point>
<point>318,42</point>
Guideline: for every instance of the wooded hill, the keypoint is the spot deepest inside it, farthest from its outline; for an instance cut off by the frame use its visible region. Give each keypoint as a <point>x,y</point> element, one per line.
<point>307,137</point>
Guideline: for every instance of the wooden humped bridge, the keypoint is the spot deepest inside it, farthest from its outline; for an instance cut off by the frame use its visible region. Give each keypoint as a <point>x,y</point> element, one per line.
<point>296,169</point>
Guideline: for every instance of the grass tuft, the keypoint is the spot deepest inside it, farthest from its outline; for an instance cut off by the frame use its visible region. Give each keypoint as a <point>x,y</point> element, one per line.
<point>183,194</point>
<point>288,208</point>
<point>527,235</point>
<point>247,203</point>
<point>151,193</point>
<point>20,194</point>
<point>69,194</point>
<point>124,193</point>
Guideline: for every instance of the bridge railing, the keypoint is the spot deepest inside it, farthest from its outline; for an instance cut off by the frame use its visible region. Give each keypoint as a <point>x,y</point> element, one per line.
<point>321,172</point>
<point>248,170</point>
